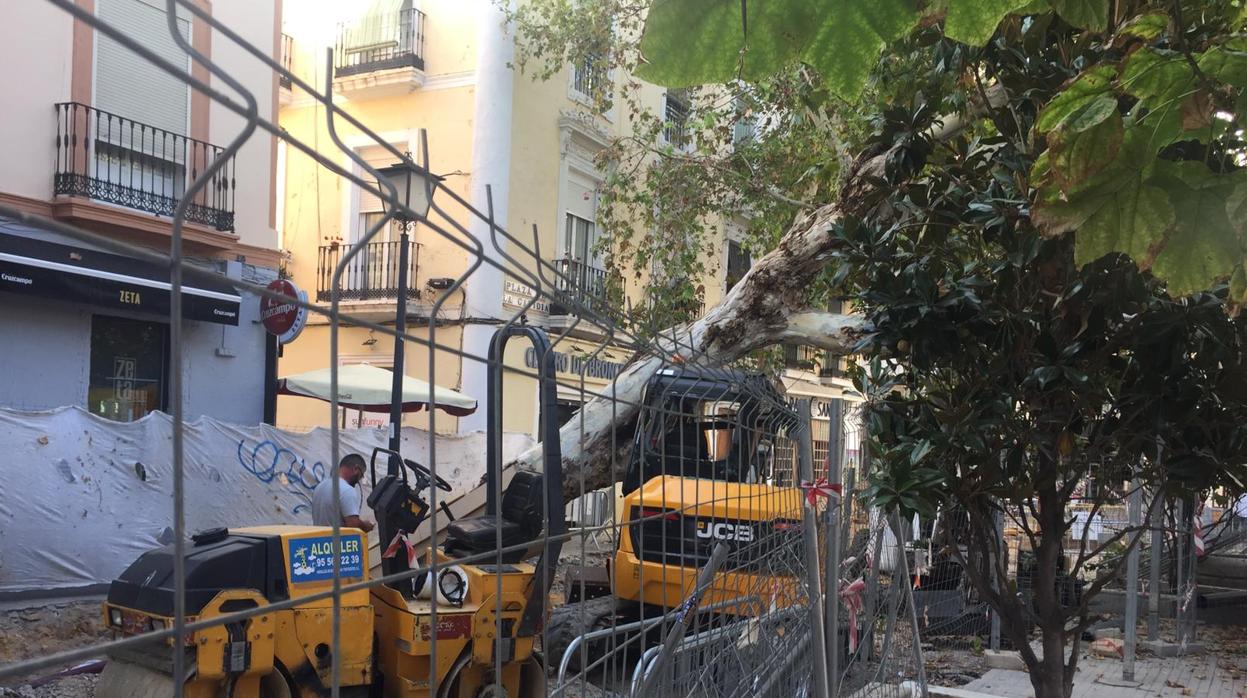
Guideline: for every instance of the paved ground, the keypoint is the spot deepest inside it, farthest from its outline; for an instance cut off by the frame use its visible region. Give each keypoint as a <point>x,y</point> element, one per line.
<point>1203,676</point>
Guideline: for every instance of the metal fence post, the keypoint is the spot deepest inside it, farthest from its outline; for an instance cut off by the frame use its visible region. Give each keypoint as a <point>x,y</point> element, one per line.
<point>835,441</point>
<point>994,638</point>
<point>809,533</point>
<point>846,507</point>
<point>1187,593</point>
<point>1156,521</point>
<point>1134,507</point>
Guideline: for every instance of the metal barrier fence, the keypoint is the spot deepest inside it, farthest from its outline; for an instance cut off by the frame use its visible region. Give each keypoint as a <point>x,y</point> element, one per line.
<point>709,578</point>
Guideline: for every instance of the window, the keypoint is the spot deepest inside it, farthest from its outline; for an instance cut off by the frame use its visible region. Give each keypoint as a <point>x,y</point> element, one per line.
<point>581,265</point>
<point>129,367</point>
<point>738,262</point>
<point>675,115</point>
<point>370,207</point>
<point>581,241</point>
<point>590,77</point>
<point>130,86</point>
<point>745,128</point>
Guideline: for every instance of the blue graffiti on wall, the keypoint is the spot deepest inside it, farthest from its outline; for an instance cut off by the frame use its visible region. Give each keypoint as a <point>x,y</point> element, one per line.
<point>269,461</point>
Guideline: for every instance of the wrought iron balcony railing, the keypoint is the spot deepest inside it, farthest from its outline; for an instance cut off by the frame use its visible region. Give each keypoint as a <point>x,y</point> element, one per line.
<point>110,158</point>
<point>808,358</point>
<point>676,128</point>
<point>380,42</point>
<point>579,285</point>
<point>371,275</point>
<point>589,76</point>
<point>287,54</point>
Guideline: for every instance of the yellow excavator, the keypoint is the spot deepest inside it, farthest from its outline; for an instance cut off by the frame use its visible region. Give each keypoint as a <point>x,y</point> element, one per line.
<point>472,631</point>
<point>699,474</point>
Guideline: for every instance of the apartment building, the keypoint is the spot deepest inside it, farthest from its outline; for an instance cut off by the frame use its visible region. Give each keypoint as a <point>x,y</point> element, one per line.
<point>102,139</point>
<point>443,66</point>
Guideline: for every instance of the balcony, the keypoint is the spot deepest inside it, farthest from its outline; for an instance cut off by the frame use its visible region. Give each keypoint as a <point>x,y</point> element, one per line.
<point>370,276</point>
<point>578,286</point>
<point>287,59</point>
<point>109,158</point>
<point>803,357</point>
<point>381,52</point>
<point>675,114</point>
<point>590,77</point>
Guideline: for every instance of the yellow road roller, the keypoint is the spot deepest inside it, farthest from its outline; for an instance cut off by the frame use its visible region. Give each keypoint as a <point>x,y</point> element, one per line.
<point>490,603</point>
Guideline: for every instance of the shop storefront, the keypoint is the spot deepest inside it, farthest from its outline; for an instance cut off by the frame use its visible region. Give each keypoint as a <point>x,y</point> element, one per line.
<point>83,327</point>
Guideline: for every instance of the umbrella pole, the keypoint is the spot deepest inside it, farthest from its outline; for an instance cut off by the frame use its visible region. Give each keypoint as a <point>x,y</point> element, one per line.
<point>400,328</point>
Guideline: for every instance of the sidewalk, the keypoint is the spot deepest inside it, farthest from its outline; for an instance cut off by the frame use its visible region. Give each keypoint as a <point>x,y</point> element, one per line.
<point>1201,676</point>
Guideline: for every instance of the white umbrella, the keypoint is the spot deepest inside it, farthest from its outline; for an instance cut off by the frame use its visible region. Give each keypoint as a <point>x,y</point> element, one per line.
<point>369,388</point>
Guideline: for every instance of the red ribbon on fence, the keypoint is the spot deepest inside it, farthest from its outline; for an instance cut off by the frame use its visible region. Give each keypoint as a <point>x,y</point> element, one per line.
<point>820,488</point>
<point>851,596</point>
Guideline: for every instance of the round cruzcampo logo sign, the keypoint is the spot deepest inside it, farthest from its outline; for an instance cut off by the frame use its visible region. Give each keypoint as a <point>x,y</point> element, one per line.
<point>281,317</point>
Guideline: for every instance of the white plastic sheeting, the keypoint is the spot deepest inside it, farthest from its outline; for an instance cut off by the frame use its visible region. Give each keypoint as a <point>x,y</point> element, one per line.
<point>81,497</point>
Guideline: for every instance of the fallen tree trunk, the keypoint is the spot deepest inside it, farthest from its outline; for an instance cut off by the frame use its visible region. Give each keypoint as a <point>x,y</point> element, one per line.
<point>769,305</point>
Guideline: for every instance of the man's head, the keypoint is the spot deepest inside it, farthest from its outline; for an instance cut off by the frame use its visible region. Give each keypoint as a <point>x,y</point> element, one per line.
<point>351,468</point>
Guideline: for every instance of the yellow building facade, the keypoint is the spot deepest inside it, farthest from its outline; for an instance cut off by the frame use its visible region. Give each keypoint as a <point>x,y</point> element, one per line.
<point>400,66</point>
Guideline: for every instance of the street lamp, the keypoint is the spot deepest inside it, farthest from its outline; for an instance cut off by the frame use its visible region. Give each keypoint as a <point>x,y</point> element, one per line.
<point>413,186</point>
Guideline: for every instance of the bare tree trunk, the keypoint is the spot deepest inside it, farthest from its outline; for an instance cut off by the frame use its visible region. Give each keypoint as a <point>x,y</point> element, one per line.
<point>1048,677</point>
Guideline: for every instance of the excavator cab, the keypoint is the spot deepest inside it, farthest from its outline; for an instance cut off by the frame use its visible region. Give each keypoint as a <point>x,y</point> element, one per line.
<point>697,476</point>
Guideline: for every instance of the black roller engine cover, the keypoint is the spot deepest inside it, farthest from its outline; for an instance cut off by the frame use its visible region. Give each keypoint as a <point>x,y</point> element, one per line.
<point>234,561</point>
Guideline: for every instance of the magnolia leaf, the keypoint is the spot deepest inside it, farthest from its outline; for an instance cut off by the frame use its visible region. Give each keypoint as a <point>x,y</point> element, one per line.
<point>1091,114</point>
<point>974,22</point>
<point>1203,245</point>
<point>1077,152</point>
<point>1145,26</point>
<point>1088,14</point>
<point>691,42</point>
<point>1086,89</point>
<point>850,37</point>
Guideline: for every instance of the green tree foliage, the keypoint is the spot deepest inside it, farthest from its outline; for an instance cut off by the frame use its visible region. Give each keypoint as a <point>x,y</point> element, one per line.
<point>1048,288</point>
<point>1158,83</point>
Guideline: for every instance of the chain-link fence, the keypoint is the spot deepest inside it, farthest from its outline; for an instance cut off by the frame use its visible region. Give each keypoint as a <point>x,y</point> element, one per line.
<point>659,542</point>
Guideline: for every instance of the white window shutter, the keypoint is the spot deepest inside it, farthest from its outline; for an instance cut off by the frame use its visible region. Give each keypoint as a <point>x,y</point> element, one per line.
<point>129,86</point>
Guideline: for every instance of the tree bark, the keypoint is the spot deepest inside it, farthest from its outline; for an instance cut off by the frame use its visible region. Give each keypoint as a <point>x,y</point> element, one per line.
<point>1049,677</point>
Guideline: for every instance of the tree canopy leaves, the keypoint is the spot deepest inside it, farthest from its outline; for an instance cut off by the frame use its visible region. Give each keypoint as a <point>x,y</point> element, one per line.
<point>1152,80</point>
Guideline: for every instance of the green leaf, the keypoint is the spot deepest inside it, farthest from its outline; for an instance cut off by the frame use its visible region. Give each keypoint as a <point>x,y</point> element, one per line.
<point>973,22</point>
<point>1088,14</point>
<point>1203,245</point>
<point>1228,66</point>
<point>1238,287</point>
<point>1157,77</point>
<point>1162,81</point>
<point>691,42</point>
<point>847,44</point>
<point>1045,375</point>
<point>1129,220</point>
<point>920,452</point>
<point>1083,91</point>
<point>1077,151</point>
<point>1145,26</point>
